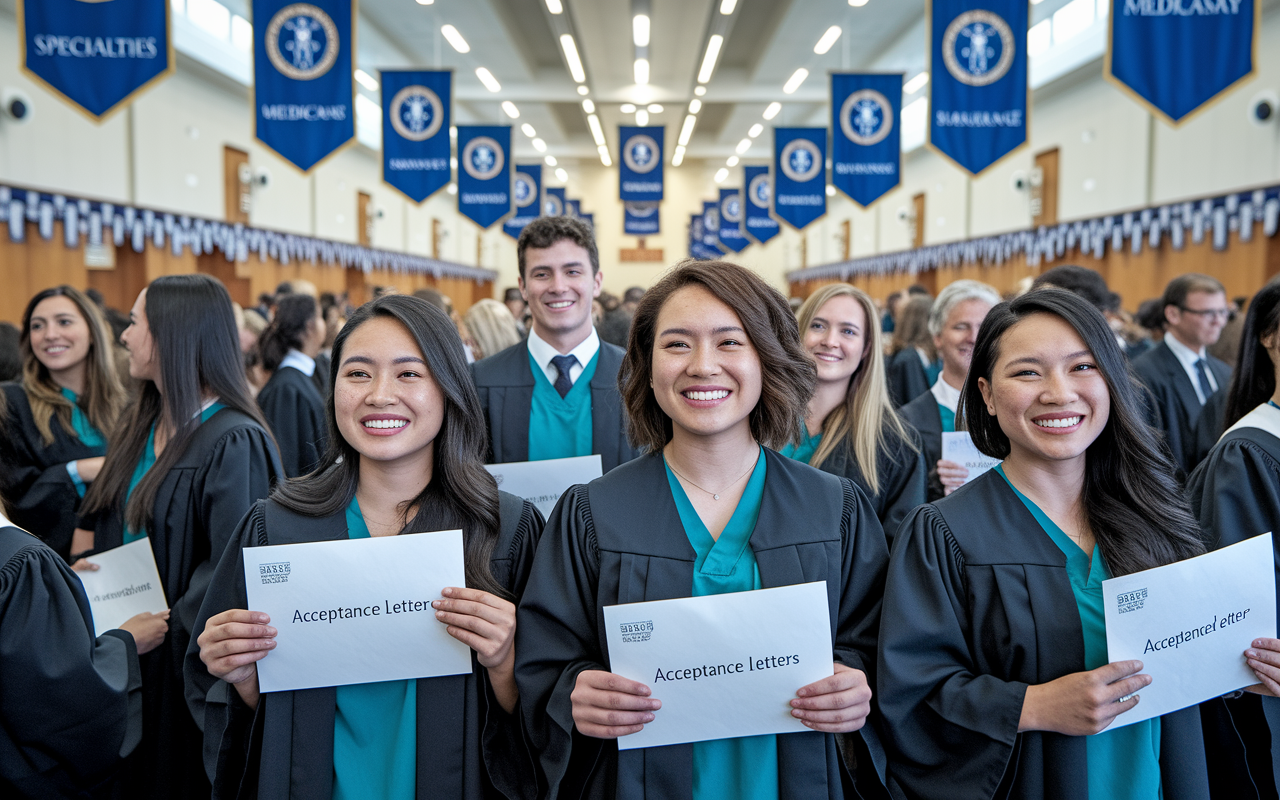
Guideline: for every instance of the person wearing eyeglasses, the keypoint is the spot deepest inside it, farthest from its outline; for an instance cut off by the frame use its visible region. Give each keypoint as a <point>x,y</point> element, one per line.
<point>1179,371</point>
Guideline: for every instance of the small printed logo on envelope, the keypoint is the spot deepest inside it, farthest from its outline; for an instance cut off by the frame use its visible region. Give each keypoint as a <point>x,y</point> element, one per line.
<point>277,572</point>
<point>1131,601</point>
<point>636,631</point>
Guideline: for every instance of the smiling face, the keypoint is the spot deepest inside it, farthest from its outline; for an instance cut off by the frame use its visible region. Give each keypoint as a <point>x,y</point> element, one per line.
<point>1046,391</point>
<point>144,361</point>
<point>388,406</point>
<point>1199,322</point>
<point>706,373</point>
<point>60,335</point>
<point>558,286</point>
<point>837,339</point>
<point>959,334</point>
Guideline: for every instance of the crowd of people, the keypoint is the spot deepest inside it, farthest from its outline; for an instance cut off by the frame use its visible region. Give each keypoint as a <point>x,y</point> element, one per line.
<point>746,443</point>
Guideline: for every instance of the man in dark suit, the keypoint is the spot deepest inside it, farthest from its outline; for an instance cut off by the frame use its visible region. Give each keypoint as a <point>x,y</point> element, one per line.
<point>555,395</point>
<point>1181,375</point>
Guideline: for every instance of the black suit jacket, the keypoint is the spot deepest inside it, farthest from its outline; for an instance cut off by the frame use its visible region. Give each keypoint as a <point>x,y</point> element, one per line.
<point>923,415</point>
<point>1175,397</point>
<point>905,376</point>
<point>505,384</point>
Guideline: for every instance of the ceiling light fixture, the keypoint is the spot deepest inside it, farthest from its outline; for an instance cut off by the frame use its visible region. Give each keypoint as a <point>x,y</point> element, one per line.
<point>366,80</point>
<point>425,2</point>
<point>709,60</point>
<point>571,56</point>
<point>627,108</point>
<point>454,38</point>
<point>452,188</point>
<point>677,158</point>
<point>756,130</point>
<point>597,132</point>
<point>732,162</point>
<point>686,130</point>
<point>486,77</point>
<point>589,106</point>
<point>721,174</point>
<point>743,146</point>
<point>453,131</point>
<point>655,108</point>
<point>562,175</point>
<point>510,109</point>
<point>772,110</point>
<point>539,145</point>
<point>640,30</point>
<point>695,105</point>
<point>604,156</point>
<point>915,84</point>
<point>642,117</point>
<point>857,3</point>
<point>551,161</point>
<point>555,7</point>
<point>642,71</point>
<point>583,90</point>
<point>528,130</point>
<point>828,39</point>
<point>831,190</point>
<point>699,91</point>
<point>795,80</point>
<point>727,6</point>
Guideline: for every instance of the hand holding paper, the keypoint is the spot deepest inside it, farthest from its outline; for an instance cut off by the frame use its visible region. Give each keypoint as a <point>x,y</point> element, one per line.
<point>838,704</point>
<point>606,706</point>
<point>1264,659</point>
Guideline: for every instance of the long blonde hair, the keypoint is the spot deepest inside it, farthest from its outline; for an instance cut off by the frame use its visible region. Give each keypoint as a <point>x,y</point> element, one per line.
<point>866,417</point>
<point>492,327</point>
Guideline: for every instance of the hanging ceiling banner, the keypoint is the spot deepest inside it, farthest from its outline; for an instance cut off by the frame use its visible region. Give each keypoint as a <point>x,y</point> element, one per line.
<point>866,139</point>
<point>698,247</point>
<point>572,208</point>
<point>641,219</point>
<point>711,229</point>
<point>590,219</point>
<point>553,201</point>
<point>640,168</point>
<point>526,191</point>
<point>759,197</point>
<point>799,175</point>
<point>978,95</point>
<point>731,235</point>
<point>303,90</point>
<point>1175,56</point>
<point>484,173</point>
<point>415,131</point>
<point>96,56</point>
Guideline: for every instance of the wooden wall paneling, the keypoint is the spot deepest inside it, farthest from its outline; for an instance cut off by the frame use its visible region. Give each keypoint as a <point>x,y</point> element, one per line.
<point>216,265</point>
<point>364,219</point>
<point>15,276</point>
<point>237,196</point>
<point>121,286</point>
<point>918,222</point>
<point>357,291</point>
<point>1044,189</point>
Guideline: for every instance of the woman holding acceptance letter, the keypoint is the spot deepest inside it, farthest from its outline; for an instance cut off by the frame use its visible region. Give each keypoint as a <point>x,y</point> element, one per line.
<point>406,447</point>
<point>714,375</point>
<point>993,673</point>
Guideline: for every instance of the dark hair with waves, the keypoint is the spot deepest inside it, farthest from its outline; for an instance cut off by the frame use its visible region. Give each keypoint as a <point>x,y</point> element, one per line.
<point>288,328</point>
<point>1254,380</point>
<point>1131,499</point>
<point>462,493</point>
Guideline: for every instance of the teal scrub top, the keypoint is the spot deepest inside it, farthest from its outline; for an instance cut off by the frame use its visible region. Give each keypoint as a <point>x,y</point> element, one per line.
<point>375,727</point>
<point>88,435</point>
<point>560,427</point>
<point>948,419</point>
<point>745,768</point>
<point>1124,764</point>
<point>148,461</point>
<point>804,451</point>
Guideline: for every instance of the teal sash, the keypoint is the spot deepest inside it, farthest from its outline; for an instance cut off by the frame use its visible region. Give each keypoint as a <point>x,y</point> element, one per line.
<point>804,451</point>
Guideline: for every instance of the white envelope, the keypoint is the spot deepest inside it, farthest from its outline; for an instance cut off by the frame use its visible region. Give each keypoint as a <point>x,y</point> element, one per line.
<point>356,610</point>
<point>1189,624</point>
<point>126,583</point>
<point>724,665</point>
<point>542,482</point>
<point>958,447</point>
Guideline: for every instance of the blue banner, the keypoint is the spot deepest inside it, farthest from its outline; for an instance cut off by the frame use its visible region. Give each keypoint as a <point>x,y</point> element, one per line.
<point>526,192</point>
<point>572,208</point>
<point>759,199</point>
<point>711,229</point>
<point>640,167</point>
<point>978,98</point>
<point>484,173</point>
<point>590,219</point>
<point>415,131</point>
<point>799,174</point>
<point>641,219</point>
<point>303,90</point>
<point>866,139</point>
<point>698,247</point>
<point>553,202</point>
<point>1177,55</point>
<point>95,56</point>
<point>731,235</point>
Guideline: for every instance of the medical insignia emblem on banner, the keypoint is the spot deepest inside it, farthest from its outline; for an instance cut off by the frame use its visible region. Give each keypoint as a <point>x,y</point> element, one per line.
<point>978,99</point>
<point>758,196</point>
<point>731,235</point>
<point>641,219</point>
<point>799,175</point>
<point>95,55</point>
<point>640,168</point>
<point>526,192</point>
<point>698,247</point>
<point>572,208</point>
<point>484,173</point>
<point>711,229</point>
<point>303,92</point>
<point>415,132</point>
<point>553,204</point>
<point>866,146</point>
<point>1174,56</point>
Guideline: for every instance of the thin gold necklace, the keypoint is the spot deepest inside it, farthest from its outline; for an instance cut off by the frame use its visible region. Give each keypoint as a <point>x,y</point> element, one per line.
<point>714,495</point>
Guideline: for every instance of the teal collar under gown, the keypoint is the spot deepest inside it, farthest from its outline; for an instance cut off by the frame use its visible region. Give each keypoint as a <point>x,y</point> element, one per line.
<point>807,446</point>
<point>745,768</point>
<point>375,727</point>
<point>1124,764</point>
<point>148,460</point>
<point>88,435</point>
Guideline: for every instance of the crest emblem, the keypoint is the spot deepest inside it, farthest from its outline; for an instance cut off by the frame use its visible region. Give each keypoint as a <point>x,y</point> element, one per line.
<point>760,192</point>
<point>801,160</point>
<point>866,117</point>
<point>711,219</point>
<point>523,190</point>
<point>978,48</point>
<point>552,207</point>
<point>731,209</point>
<point>640,153</point>
<point>416,113</point>
<point>641,210</point>
<point>302,42</point>
<point>482,158</point>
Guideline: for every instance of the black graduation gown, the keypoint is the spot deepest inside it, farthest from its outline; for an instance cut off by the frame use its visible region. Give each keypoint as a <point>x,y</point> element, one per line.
<point>1175,399</point>
<point>905,376</point>
<point>923,415</point>
<point>1235,494</point>
<point>295,413</point>
<point>903,478</point>
<point>977,607</point>
<point>1209,425</point>
<point>505,384</point>
<point>33,478</point>
<point>70,704</point>
<point>230,463</point>
<point>466,744</point>
<point>619,540</point>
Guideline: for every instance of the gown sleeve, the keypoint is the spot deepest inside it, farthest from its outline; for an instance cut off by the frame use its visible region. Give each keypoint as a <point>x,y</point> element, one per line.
<point>906,480</point>
<point>865,558</point>
<point>946,725</point>
<point>292,419</point>
<point>39,499</point>
<point>70,704</point>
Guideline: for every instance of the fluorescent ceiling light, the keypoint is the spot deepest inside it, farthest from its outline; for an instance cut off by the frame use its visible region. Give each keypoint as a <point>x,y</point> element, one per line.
<point>551,161</point>
<point>562,175</point>
<point>795,80</point>
<point>510,109</point>
<point>571,56</point>
<point>583,90</point>
<point>686,130</point>
<point>772,110</point>
<point>486,77</point>
<point>642,71</point>
<point>699,90</point>
<point>555,7</point>
<point>721,174</point>
<point>453,131</point>
<point>915,84</point>
<point>453,187</point>
<point>655,108</point>
<point>589,106</point>
<point>454,38</point>
<point>366,80</point>
<point>453,163</point>
<point>677,158</point>
<point>695,105</point>
<point>727,6</point>
<point>756,130</point>
<point>743,146</point>
<point>425,2</point>
<point>640,30</point>
<point>597,132</point>
<point>709,60</point>
<point>539,145</point>
<point>604,156</point>
<point>528,130</point>
<point>831,190</point>
<point>828,39</point>
<point>627,108</point>
<point>732,162</point>
<point>642,117</point>
<point>857,3</point>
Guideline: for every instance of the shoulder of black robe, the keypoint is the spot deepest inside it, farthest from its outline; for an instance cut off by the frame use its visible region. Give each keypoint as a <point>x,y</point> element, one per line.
<point>284,749</point>
<point>37,490</point>
<point>294,411</point>
<point>903,477</point>
<point>70,704</point>
<point>905,377</point>
<point>619,540</point>
<point>1209,426</point>
<point>608,420</point>
<point>1175,401</point>
<point>923,415</point>
<point>504,381</point>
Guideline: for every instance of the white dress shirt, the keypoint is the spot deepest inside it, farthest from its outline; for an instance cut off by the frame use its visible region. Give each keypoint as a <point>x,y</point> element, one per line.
<point>1188,358</point>
<point>300,361</point>
<point>946,395</point>
<point>543,353</point>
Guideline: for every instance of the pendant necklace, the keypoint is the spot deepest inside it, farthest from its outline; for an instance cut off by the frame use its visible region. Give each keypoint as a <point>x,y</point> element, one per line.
<point>714,495</point>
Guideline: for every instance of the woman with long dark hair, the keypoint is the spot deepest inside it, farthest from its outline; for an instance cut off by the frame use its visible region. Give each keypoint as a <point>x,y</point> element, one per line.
<point>290,401</point>
<point>993,676</point>
<point>406,454</point>
<point>187,462</point>
<point>54,424</point>
<point>714,376</point>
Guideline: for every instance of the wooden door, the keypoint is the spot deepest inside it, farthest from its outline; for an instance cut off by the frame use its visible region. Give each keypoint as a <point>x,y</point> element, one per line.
<point>435,238</point>
<point>846,238</point>
<point>918,220</point>
<point>237,194</point>
<point>364,218</point>
<point>1044,189</point>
